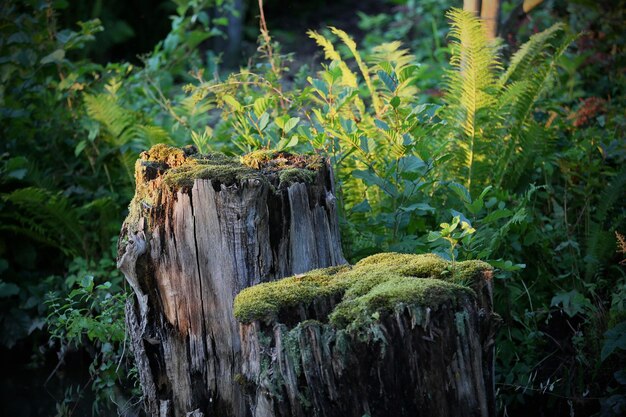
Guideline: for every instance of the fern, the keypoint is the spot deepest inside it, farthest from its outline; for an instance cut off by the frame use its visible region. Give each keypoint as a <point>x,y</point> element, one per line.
<point>397,63</point>
<point>349,79</point>
<point>531,71</point>
<point>349,42</point>
<point>117,121</point>
<point>123,129</point>
<point>523,61</point>
<point>46,217</point>
<point>600,243</point>
<point>470,87</point>
<point>490,112</point>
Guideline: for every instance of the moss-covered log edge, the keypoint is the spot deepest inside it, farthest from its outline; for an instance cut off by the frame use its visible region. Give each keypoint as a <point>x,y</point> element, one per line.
<point>375,284</point>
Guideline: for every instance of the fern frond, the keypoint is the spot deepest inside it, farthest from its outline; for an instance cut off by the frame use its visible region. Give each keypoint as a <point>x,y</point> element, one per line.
<point>104,109</point>
<point>599,243</point>
<point>365,72</point>
<point>523,61</point>
<point>520,96</point>
<point>390,58</point>
<point>470,86</point>
<point>152,135</point>
<point>46,217</point>
<point>348,77</point>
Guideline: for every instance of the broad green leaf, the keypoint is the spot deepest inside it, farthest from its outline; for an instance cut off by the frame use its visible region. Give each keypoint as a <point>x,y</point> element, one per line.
<point>460,191</point>
<point>362,207</point>
<point>381,125</point>
<point>8,289</point>
<point>55,57</point>
<point>572,302</point>
<point>292,142</point>
<point>281,121</point>
<point>433,236</point>
<point>496,215</point>
<point>263,121</point>
<point>371,179</point>
<point>320,86</point>
<point>79,148</point>
<point>291,123</point>
<point>418,206</point>
<point>507,265</point>
<point>389,82</point>
<point>615,338</point>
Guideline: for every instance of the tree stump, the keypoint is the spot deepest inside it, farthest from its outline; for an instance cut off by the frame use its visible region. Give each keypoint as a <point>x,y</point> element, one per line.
<point>395,335</point>
<point>200,229</point>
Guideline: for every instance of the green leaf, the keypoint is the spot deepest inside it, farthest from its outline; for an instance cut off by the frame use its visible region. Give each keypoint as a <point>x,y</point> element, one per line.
<point>292,142</point>
<point>18,37</point>
<point>320,86</point>
<point>381,125</point>
<point>263,121</point>
<point>220,21</point>
<point>418,206</point>
<point>497,215</point>
<point>615,339</point>
<point>573,302</point>
<point>389,82</point>
<point>280,121</point>
<point>476,206</point>
<point>460,191</point>
<point>291,123</point>
<point>372,179</point>
<point>507,265</point>
<point>87,282</point>
<point>395,102</point>
<point>79,148</point>
<point>8,289</point>
<point>433,236</point>
<point>362,207</point>
<point>55,57</point>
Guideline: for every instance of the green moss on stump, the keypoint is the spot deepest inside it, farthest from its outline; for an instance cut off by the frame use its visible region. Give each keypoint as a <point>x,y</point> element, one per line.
<point>292,175</point>
<point>182,166</point>
<point>178,168</point>
<point>377,283</point>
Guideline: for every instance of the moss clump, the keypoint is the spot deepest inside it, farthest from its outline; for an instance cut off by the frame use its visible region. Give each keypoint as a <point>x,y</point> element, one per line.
<point>224,172</point>
<point>181,166</point>
<point>256,159</point>
<point>268,298</point>
<point>292,175</point>
<point>379,282</point>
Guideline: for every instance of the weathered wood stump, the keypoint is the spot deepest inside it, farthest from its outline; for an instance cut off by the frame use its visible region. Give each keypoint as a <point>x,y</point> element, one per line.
<point>395,335</point>
<point>200,229</point>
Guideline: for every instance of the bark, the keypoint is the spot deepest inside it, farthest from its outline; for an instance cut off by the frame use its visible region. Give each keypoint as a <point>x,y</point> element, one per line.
<point>187,249</point>
<point>488,11</point>
<point>414,360</point>
<point>490,14</point>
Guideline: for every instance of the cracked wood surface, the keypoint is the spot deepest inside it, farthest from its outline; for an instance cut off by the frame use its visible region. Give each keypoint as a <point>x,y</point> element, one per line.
<point>193,251</point>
